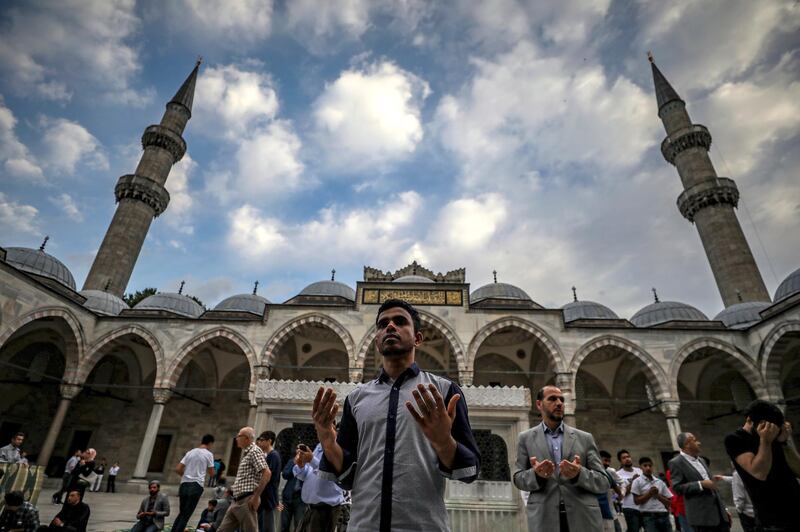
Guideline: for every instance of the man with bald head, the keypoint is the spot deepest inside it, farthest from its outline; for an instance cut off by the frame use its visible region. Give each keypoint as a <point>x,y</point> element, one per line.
<point>251,478</point>
<point>561,468</point>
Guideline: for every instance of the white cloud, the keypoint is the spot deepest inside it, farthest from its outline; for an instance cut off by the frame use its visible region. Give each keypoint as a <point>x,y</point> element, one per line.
<point>525,112</point>
<point>66,203</point>
<point>710,42</point>
<point>53,49</point>
<point>226,24</point>
<point>340,235</point>
<point>179,213</point>
<point>269,160</point>
<point>370,117</point>
<point>16,218</point>
<point>16,158</point>
<point>470,223</point>
<point>67,143</point>
<point>232,100</point>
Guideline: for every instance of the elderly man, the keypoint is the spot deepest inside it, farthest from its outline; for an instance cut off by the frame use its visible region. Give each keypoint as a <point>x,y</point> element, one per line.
<point>153,510</point>
<point>251,478</point>
<point>691,479</point>
<point>561,468</point>
<point>10,453</point>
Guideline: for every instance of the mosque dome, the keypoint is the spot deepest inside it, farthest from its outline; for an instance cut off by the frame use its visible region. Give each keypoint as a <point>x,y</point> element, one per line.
<point>664,311</point>
<point>244,303</point>
<point>789,286</point>
<point>587,310</point>
<point>103,302</point>
<point>413,279</point>
<point>499,291</point>
<point>171,302</point>
<point>38,262</point>
<point>329,288</point>
<point>742,315</point>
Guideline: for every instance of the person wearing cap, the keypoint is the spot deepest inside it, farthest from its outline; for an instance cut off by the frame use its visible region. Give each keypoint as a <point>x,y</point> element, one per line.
<point>153,510</point>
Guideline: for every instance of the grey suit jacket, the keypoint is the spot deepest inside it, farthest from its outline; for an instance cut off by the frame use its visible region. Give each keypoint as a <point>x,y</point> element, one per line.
<point>579,494</point>
<point>703,507</point>
<point>161,508</point>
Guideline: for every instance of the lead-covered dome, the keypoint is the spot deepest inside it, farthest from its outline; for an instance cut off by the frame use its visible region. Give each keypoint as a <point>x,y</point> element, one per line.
<point>789,286</point>
<point>587,310</point>
<point>103,302</point>
<point>171,302</point>
<point>329,288</point>
<point>664,311</point>
<point>742,315</point>
<point>40,263</point>
<point>244,303</point>
<point>499,291</point>
<point>413,279</point>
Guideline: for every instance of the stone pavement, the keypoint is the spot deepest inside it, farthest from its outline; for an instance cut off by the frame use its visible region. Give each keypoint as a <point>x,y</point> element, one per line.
<point>116,511</point>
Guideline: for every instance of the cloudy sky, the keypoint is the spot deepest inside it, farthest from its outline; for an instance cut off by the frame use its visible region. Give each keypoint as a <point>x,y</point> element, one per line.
<point>499,135</point>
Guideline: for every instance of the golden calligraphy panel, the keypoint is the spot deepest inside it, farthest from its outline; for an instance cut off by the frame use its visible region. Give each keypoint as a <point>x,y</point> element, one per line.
<point>415,297</point>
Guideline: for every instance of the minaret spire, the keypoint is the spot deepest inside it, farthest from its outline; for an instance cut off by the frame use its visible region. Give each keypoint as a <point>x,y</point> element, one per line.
<point>707,201</point>
<point>142,196</point>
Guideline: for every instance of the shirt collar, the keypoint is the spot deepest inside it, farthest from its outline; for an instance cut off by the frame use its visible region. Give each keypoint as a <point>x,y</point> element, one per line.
<point>547,430</point>
<point>688,457</point>
<point>411,371</point>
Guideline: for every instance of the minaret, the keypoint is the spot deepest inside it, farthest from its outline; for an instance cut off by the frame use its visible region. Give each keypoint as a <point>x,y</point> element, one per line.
<point>707,201</point>
<point>142,196</point>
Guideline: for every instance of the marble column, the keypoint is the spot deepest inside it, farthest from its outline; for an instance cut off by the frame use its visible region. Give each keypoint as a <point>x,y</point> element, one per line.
<point>68,392</point>
<point>671,410</point>
<point>160,398</point>
<point>564,382</point>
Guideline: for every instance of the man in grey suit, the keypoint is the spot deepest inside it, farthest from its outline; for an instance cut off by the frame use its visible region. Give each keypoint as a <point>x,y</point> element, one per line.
<point>563,492</point>
<point>152,511</point>
<point>692,479</point>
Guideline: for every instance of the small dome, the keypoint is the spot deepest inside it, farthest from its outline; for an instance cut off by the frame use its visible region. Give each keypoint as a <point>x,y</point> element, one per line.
<point>742,315</point>
<point>587,310</point>
<point>171,302</point>
<point>103,302</point>
<point>664,311</point>
<point>40,263</point>
<point>413,279</point>
<point>329,288</point>
<point>244,303</point>
<point>499,291</point>
<point>789,286</point>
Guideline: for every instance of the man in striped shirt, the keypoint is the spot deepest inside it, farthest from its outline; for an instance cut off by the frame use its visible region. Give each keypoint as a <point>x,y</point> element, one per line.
<point>400,436</point>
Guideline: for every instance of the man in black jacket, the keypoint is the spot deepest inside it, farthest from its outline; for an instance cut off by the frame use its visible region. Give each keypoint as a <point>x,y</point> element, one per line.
<point>73,517</point>
<point>692,479</point>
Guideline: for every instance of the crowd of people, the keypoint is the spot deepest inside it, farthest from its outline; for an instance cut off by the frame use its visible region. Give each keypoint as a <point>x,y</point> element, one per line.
<point>383,467</point>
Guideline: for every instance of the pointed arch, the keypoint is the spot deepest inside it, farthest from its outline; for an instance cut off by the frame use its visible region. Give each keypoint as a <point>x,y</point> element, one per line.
<point>743,363</point>
<point>285,331</point>
<point>769,362</point>
<point>95,352</point>
<point>75,344</point>
<point>551,347</point>
<point>169,378</point>
<point>427,319</point>
<point>652,369</point>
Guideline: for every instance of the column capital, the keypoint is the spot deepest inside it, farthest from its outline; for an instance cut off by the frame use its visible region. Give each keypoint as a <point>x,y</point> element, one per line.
<point>355,374</point>
<point>69,391</point>
<point>161,395</point>
<point>671,408</point>
<point>564,380</point>
<point>262,371</point>
<point>466,377</point>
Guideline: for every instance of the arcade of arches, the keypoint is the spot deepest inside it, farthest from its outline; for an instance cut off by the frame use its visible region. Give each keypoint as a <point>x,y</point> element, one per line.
<point>110,395</point>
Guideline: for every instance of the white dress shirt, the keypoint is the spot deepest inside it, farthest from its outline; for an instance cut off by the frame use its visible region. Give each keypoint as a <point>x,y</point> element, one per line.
<point>699,466</point>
